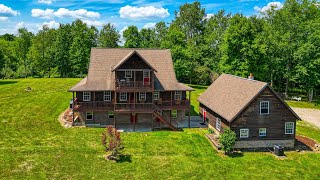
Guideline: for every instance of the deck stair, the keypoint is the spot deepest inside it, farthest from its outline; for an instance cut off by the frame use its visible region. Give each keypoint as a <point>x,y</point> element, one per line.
<point>157,113</point>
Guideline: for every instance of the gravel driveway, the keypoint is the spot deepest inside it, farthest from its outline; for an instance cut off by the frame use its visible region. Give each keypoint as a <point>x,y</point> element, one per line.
<point>310,115</point>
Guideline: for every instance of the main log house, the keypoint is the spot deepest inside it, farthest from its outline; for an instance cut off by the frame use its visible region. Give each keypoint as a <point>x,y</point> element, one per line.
<point>130,88</point>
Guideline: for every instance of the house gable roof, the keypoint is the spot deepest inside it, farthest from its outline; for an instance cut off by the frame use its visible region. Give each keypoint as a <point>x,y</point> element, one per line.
<point>229,95</point>
<point>103,61</point>
<point>130,54</point>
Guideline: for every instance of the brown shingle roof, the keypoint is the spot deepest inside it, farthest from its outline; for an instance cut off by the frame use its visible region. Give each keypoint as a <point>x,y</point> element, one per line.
<point>103,60</point>
<point>229,95</point>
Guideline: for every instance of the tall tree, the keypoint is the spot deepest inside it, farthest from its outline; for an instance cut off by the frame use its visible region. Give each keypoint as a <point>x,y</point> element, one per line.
<point>23,45</point>
<point>132,37</point>
<point>147,38</point>
<point>108,36</point>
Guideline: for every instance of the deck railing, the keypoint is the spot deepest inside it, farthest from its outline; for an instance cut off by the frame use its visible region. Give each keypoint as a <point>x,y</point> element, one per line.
<point>123,85</point>
<point>174,104</point>
<point>93,105</point>
<point>137,107</point>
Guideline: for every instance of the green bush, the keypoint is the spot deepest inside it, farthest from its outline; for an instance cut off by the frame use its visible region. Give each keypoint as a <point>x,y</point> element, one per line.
<point>227,140</point>
<point>210,131</point>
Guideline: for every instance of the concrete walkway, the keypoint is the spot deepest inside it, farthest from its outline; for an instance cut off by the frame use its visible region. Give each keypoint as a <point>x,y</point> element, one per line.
<point>310,115</point>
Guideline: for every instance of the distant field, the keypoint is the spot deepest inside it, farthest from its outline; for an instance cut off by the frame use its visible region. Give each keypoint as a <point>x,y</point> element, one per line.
<point>33,145</point>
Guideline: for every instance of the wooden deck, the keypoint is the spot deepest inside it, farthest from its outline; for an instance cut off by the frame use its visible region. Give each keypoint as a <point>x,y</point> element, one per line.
<point>133,86</point>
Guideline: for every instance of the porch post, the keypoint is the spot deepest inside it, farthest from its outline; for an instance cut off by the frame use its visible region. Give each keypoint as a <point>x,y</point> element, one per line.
<point>114,109</point>
<point>189,109</point>
<point>171,99</point>
<point>152,119</point>
<point>72,107</point>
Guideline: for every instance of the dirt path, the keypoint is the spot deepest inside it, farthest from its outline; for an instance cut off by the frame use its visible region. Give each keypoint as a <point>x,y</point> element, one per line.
<point>310,115</point>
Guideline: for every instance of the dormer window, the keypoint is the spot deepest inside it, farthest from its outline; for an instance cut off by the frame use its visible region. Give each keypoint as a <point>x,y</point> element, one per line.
<point>128,74</point>
<point>264,107</point>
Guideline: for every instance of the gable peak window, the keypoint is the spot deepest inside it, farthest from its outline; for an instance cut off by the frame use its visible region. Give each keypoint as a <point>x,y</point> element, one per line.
<point>289,128</point>
<point>177,95</point>
<point>107,95</point>
<point>128,74</point>
<point>264,107</point>
<point>123,96</point>
<point>86,96</point>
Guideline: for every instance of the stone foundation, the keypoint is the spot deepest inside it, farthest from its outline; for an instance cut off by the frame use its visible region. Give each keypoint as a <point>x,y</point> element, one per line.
<point>264,143</point>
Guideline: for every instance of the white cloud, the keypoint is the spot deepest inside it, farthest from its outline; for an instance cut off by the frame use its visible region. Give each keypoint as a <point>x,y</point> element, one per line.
<point>3,18</point>
<point>6,11</point>
<point>43,14</point>
<point>270,5</point>
<point>45,1</point>
<point>121,41</point>
<point>51,24</point>
<point>20,25</point>
<point>147,12</point>
<point>149,25</point>
<point>93,23</point>
<point>208,16</point>
<point>64,13</point>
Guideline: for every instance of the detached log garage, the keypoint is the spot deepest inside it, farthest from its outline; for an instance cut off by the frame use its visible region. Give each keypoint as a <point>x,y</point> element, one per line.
<point>252,109</point>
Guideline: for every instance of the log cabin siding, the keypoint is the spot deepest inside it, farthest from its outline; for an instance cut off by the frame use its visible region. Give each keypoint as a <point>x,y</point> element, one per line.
<point>274,122</point>
<point>95,96</point>
<point>211,118</point>
<point>134,62</point>
<point>166,95</point>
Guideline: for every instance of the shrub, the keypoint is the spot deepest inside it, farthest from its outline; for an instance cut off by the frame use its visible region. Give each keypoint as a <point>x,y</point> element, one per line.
<point>210,131</point>
<point>112,142</point>
<point>227,140</point>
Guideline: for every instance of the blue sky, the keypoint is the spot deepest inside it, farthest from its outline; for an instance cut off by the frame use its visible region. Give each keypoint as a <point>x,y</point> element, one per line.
<point>32,14</point>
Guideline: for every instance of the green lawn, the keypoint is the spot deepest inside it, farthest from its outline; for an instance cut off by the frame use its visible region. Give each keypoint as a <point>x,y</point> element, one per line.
<point>33,145</point>
<point>304,104</point>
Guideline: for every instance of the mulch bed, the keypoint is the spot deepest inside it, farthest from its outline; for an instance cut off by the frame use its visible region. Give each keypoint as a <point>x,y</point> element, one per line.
<point>305,143</point>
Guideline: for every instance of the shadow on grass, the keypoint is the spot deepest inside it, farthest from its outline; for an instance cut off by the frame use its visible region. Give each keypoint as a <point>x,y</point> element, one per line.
<point>124,158</point>
<point>197,86</point>
<point>235,154</point>
<point>7,82</point>
<point>193,112</point>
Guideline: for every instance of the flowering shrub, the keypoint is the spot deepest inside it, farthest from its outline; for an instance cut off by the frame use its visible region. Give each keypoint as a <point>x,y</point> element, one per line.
<point>112,142</point>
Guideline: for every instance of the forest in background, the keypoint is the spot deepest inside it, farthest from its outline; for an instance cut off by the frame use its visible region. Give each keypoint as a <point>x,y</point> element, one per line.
<point>279,46</point>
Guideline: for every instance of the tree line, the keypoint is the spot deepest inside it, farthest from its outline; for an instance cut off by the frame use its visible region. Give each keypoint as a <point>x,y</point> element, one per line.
<point>279,46</point>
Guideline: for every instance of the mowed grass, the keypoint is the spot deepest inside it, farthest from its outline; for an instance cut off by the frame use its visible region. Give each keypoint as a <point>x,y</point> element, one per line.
<point>33,145</point>
<point>303,104</point>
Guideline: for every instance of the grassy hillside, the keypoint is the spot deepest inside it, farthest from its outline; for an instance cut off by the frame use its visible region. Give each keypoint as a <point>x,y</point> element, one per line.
<point>33,145</point>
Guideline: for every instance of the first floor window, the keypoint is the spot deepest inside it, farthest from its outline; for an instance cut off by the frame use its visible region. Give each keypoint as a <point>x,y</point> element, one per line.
<point>89,115</point>
<point>123,96</point>
<point>264,107</point>
<point>244,133</point>
<point>262,132</point>
<point>289,127</point>
<point>218,124</point>
<point>86,96</point>
<point>177,95</point>
<point>107,96</point>
<point>174,113</point>
<point>128,74</point>
<point>156,95</point>
<point>110,114</point>
<point>142,96</point>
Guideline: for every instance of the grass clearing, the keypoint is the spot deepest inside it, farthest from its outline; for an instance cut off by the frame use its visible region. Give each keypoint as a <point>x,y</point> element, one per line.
<point>33,145</point>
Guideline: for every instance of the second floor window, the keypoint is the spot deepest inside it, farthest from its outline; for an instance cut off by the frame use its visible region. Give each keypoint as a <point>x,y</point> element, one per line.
<point>86,96</point>
<point>142,96</point>
<point>107,96</point>
<point>177,95</point>
<point>264,107</point>
<point>123,96</point>
<point>156,95</point>
<point>128,74</point>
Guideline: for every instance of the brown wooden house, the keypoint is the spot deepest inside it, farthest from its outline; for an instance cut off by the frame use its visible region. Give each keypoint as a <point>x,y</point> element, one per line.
<point>130,88</point>
<point>259,117</point>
